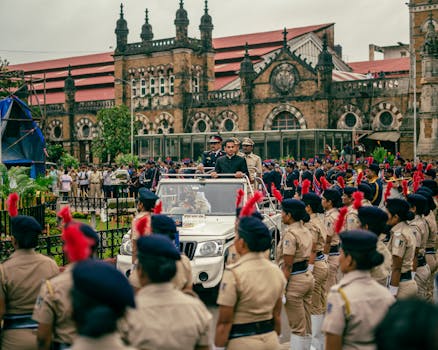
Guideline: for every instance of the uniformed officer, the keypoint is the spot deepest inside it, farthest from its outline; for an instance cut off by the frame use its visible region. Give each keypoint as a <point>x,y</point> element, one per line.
<point>209,157</point>
<point>20,280</point>
<point>165,225</point>
<point>53,309</point>
<point>318,265</point>
<point>402,247</point>
<point>374,219</point>
<point>420,208</point>
<point>292,174</point>
<point>164,318</point>
<point>100,297</point>
<point>253,161</point>
<point>357,304</point>
<point>372,174</point>
<point>250,293</point>
<point>351,219</point>
<point>293,253</point>
<point>231,163</point>
<point>331,200</point>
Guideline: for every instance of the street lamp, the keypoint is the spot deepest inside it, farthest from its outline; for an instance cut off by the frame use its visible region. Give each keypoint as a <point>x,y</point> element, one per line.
<point>132,112</point>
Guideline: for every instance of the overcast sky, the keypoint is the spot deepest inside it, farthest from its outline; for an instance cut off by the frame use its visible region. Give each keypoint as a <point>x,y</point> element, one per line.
<point>34,30</point>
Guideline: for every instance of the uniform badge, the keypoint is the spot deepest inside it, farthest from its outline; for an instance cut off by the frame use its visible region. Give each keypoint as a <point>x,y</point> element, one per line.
<point>223,286</point>
<point>329,307</point>
<point>39,301</point>
<point>286,243</point>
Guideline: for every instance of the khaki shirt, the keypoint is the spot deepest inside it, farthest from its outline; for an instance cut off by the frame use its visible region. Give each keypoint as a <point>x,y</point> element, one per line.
<point>330,218</point>
<point>318,230</point>
<point>402,244</point>
<point>352,221</point>
<point>95,177</point>
<point>433,230</point>
<point>420,229</point>
<point>20,279</point>
<point>252,287</point>
<point>355,307</point>
<point>254,164</point>
<point>183,278</point>
<point>383,270</point>
<point>53,306</point>
<point>166,318</point>
<point>296,240</point>
<point>110,341</point>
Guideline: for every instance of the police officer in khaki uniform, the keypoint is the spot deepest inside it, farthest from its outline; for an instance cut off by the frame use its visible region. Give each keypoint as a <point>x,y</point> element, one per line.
<point>318,265</point>
<point>250,293</point>
<point>53,309</point>
<point>253,161</point>
<point>357,304</point>
<point>95,184</point>
<point>402,247</point>
<point>351,220</point>
<point>164,318</point>
<point>374,220</point>
<point>422,272</point>
<point>331,200</point>
<point>100,296</point>
<point>293,253</point>
<point>20,279</point>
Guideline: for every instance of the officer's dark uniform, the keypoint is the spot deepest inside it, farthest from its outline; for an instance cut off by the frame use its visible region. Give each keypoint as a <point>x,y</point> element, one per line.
<point>209,157</point>
<point>289,188</point>
<point>376,185</point>
<point>230,165</point>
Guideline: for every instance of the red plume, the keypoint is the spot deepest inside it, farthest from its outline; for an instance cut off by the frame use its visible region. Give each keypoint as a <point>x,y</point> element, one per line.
<point>12,204</point>
<point>142,225</point>
<point>341,182</point>
<point>387,166</point>
<point>359,178</point>
<point>276,193</point>
<point>370,160</point>
<point>358,197</point>
<point>324,183</point>
<point>416,184</point>
<point>305,187</point>
<point>76,245</point>
<point>239,197</point>
<point>405,187</point>
<point>249,207</point>
<point>296,183</point>
<point>158,207</point>
<point>341,219</point>
<point>389,186</point>
<point>408,167</point>
<point>420,167</point>
<point>429,167</point>
<point>65,215</point>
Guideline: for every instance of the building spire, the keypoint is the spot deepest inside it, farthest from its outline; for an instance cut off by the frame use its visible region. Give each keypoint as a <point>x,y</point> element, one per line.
<point>146,30</point>
<point>285,32</point>
<point>206,28</point>
<point>181,23</point>
<point>121,32</point>
<point>121,11</point>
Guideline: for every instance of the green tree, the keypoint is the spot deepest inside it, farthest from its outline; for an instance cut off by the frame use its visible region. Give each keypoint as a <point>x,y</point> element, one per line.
<point>115,136</point>
<point>55,151</point>
<point>126,159</point>
<point>68,161</point>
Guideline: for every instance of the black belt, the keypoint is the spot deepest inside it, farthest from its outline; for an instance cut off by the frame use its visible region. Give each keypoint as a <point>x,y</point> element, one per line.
<point>19,322</point>
<point>406,276</point>
<point>300,266</point>
<point>249,329</point>
<point>334,249</point>
<point>60,346</point>
<point>421,260</point>
<point>430,250</point>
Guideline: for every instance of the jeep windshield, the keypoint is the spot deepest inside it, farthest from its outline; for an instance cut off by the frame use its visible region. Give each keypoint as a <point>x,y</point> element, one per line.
<point>195,197</point>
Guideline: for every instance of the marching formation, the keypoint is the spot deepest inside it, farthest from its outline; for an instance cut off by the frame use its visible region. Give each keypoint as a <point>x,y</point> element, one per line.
<point>355,239</point>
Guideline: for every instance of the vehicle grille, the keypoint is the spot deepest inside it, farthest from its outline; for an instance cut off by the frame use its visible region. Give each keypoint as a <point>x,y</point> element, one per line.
<point>188,248</point>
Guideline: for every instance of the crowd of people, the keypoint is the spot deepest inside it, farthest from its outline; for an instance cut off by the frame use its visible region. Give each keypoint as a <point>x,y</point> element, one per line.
<point>354,266</point>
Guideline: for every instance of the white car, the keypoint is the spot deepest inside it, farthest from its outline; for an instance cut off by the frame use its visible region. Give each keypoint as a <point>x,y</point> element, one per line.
<point>204,209</point>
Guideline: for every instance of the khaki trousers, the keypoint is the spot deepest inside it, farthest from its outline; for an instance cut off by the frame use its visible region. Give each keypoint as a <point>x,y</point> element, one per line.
<point>422,277</point>
<point>333,263</point>
<point>431,260</point>
<point>95,191</point>
<point>407,289</point>
<point>19,339</point>
<point>299,302</point>
<point>319,295</point>
<point>266,341</point>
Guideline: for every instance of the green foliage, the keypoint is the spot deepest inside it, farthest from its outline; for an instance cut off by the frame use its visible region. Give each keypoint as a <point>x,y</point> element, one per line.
<point>127,159</point>
<point>116,131</point>
<point>9,81</point>
<point>17,179</point>
<point>380,154</point>
<point>67,160</point>
<point>55,152</point>
<point>79,215</point>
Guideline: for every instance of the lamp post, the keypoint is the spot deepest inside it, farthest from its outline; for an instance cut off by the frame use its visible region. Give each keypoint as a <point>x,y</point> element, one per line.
<point>132,112</point>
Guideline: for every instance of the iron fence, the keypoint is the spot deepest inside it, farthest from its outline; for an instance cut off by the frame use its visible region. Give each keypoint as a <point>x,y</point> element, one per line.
<point>37,211</point>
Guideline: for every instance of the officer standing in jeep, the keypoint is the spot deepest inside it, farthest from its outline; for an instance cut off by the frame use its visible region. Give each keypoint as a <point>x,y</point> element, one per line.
<point>209,157</point>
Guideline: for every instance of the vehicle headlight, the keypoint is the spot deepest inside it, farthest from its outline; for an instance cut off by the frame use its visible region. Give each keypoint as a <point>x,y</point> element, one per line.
<point>210,248</point>
<point>126,247</point>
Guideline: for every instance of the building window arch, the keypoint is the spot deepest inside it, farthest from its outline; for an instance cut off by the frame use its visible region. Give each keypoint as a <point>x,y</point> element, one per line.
<point>144,125</point>
<point>349,117</point>
<point>85,129</point>
<point>227,121</point>
<point>200,122</point>
<point>164,123</point>
<point>171,84</point>
<point>386,116</point>
<point>54,130</point>
<point>143,88</point>
<point>162,85</point>
<point>285,116</point>
<point>152,86</point>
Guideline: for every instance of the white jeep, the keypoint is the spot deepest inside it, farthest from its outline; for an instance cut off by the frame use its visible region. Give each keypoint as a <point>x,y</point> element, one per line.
<point>204,209</point>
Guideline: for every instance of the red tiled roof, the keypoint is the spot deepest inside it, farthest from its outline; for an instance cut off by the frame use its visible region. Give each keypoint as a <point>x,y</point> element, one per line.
<point>77,72</point>
<point>106,93</point>
<point>220,82</point>
<point>78,82</point>
<point>345,76</point>
<point>264,37</point>
<point>387,66</point>
<point>241,52</point>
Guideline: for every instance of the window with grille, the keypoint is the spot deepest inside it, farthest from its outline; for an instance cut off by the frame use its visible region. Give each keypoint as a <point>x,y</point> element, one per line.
<point>152,86</point>
<point>143,87</point>
<point>162,85</point>
<point>171,84</point>
<point>285,121</point>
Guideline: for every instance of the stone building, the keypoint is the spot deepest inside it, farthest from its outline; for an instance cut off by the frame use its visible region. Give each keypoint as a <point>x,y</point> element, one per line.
<point>289,90</point>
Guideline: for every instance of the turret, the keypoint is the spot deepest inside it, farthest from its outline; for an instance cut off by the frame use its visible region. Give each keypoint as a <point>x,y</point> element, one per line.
<point>146,29</point>
<point>206,28</point>
<point>181,23</point>
<point>121,32</point>
<point>324,68</point>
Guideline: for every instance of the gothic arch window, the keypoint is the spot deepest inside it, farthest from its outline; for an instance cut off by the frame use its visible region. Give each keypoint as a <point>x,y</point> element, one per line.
<point>144,125</point>
<point>426,23</point>
<point>227,121</point>
<point>349,117</point>
<point>200,122</point>
<point>288,117</point>
<point>386,116</point>
<point>85,130</point>
<point>54,130</point>
<point>164,123</point>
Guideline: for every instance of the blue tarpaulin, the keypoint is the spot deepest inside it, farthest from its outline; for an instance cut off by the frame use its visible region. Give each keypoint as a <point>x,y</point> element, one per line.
<point>22,140</point>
